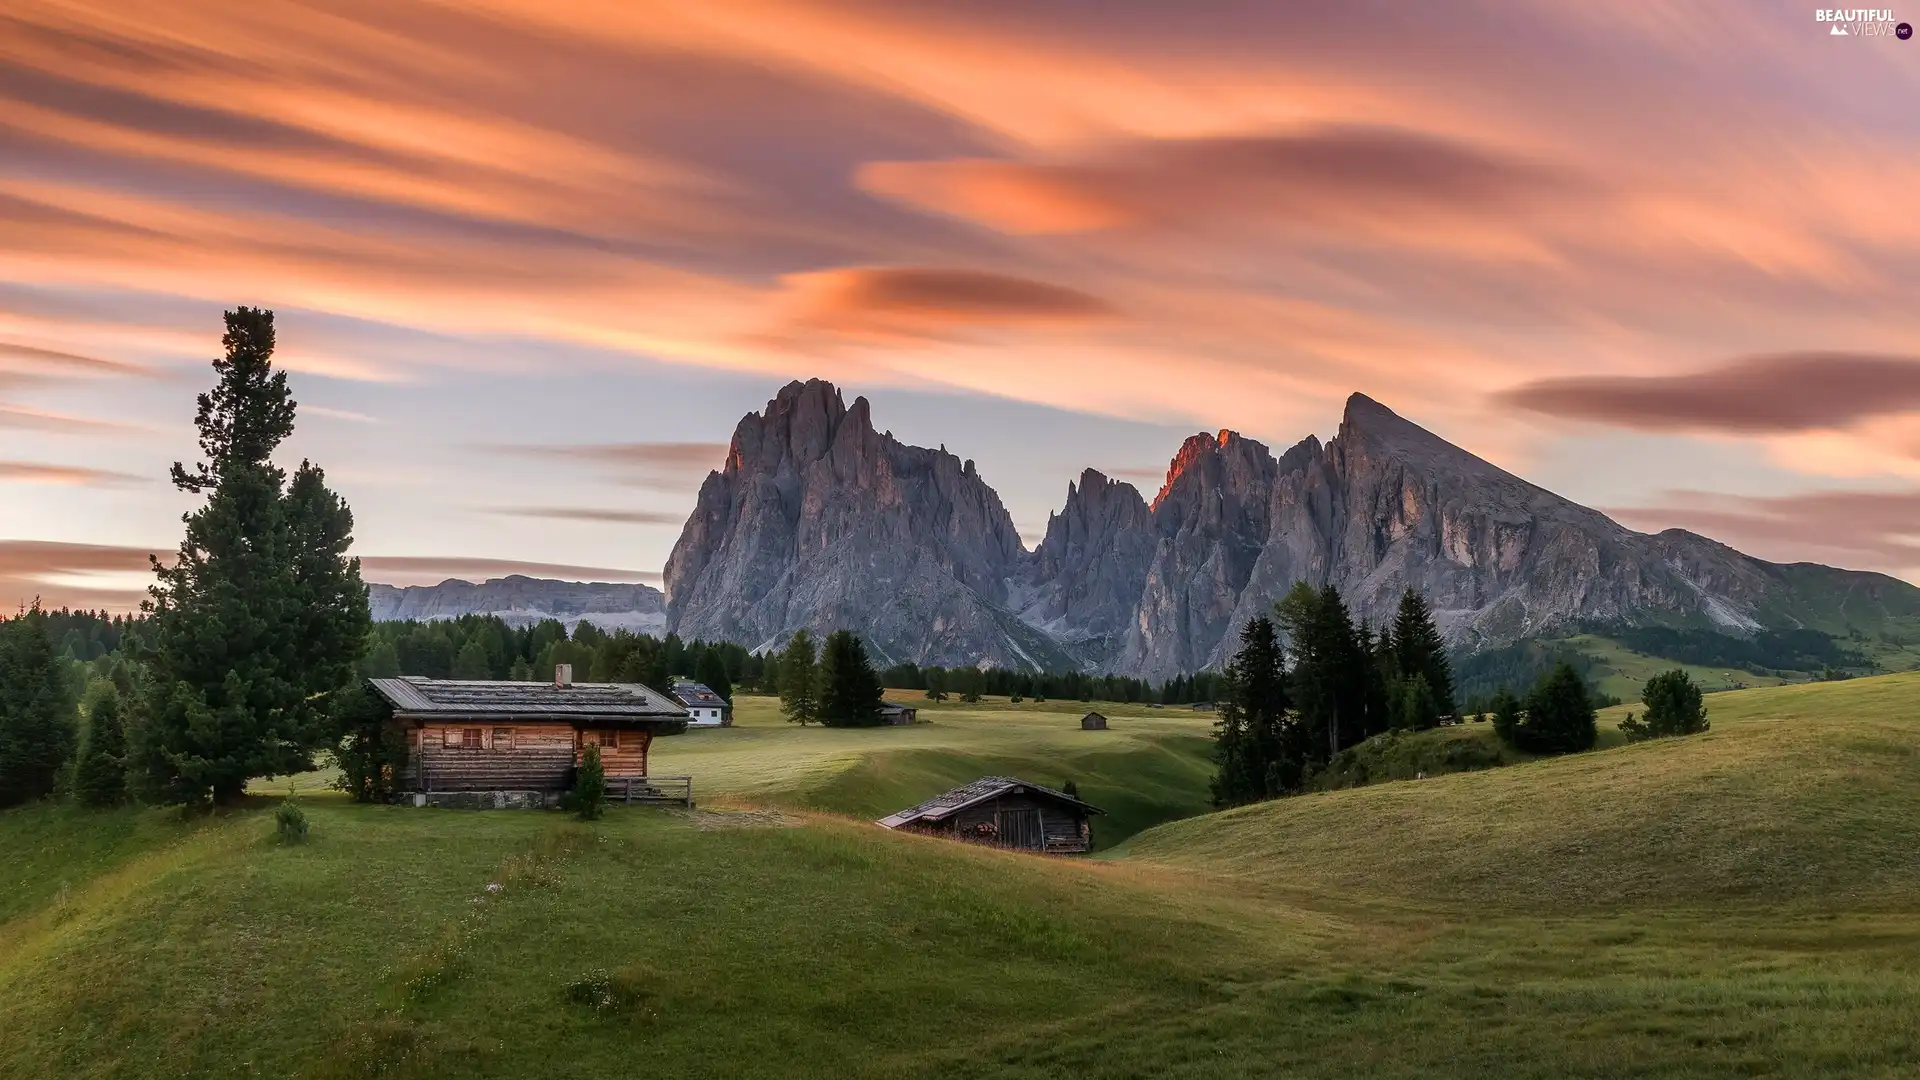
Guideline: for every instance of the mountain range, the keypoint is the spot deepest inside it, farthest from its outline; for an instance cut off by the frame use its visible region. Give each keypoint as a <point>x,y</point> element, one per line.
<point>818,521</point>
<point>522,600</point>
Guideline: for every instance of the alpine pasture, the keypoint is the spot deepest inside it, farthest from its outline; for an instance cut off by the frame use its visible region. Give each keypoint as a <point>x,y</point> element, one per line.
<point>1739,903</point>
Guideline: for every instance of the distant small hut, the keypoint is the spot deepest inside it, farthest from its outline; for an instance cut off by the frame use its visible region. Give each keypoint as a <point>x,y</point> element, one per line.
<point>1202,706</point>
<point>1093,721</point>
<point>892,712</point>
<point>1003,811</point>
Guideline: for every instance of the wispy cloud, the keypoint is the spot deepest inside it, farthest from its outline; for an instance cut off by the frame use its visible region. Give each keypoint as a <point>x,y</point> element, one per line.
<point>72,575</point>
<point>17,357</point>
<point>592,514</point>
<point>336,414</point>
<point>25,419</point>
<point>1878,530</point>
<point>33,472</point>
<point>1758,395</point>
<point>665,466</point>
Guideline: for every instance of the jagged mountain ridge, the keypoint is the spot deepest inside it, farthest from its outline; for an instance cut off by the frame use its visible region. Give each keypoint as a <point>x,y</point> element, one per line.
<point>521,600</point>
<point>818,521</point>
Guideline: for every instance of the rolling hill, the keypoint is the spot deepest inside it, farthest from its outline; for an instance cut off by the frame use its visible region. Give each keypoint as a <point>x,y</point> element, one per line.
<point>1736,904</point>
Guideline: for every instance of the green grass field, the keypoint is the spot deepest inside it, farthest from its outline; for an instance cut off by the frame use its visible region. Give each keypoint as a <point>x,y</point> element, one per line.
<point>1741,903</point>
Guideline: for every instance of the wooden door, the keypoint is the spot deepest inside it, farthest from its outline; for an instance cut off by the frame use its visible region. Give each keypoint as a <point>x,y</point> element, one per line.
<point>1021,829</point>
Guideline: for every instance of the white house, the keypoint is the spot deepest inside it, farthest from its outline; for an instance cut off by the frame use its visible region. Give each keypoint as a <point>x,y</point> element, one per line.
<point>704,707</point>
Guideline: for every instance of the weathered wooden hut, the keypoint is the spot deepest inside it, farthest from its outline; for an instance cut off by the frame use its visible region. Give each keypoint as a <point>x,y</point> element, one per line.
<point>1005,812</point>
<point>892,712</point>
<point>1093,721</point>
<point>472,743</point>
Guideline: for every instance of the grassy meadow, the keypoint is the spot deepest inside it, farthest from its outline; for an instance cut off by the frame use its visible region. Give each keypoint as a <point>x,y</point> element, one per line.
<point>1743,903</point>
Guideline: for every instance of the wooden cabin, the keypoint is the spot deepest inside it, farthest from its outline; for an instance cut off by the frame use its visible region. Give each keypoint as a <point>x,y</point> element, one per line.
<point>892,712</point>
<point>472,743</point>
<point>1093,721</point>
<point>1003,811</point>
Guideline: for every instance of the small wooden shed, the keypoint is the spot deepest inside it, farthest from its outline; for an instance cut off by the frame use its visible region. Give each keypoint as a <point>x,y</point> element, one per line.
<point>892,712</point>
<point>1093,721</point>
<point>1003,811</point>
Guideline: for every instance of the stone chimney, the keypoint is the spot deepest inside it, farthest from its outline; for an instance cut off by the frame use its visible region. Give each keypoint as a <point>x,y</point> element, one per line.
<point>562,676</point>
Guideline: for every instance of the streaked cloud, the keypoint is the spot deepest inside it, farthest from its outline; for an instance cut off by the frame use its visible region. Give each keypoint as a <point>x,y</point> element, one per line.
<point>71,575</point>
<point>25,419</point>
<point>18,357</point>
<point>1872,530</point>
<point>1765,394</point>
<point>929,301</point>
<point>665,466</point>
<point>33,472</point>
<point>593,514</point>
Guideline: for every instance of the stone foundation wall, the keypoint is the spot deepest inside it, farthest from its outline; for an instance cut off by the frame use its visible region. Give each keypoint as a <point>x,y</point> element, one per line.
<point>485,800</point>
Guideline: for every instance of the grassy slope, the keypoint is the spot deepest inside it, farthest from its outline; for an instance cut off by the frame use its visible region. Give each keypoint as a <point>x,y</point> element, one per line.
<point>1150,766</point>
<point>1730,905</point>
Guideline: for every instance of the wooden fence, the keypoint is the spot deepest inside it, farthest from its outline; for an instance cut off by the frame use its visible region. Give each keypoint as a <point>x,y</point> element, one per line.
<point>651,789</point>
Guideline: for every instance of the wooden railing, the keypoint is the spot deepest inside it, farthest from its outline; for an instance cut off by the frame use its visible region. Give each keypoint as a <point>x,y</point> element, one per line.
<point>651,789</point>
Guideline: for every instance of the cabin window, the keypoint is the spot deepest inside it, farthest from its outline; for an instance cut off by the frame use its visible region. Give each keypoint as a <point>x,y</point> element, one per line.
<point>472,738</point>
<point>610,740</point>
<point>451,737</point>
<point>503,738</point>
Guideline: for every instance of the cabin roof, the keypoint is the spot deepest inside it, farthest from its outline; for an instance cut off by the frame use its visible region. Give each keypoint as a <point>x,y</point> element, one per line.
<point>893,706</point>
<point>692,693</point>
<point>424,698</point>
<point>949,803</point>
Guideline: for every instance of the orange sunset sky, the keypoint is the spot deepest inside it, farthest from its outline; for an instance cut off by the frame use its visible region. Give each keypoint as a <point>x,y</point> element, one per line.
<point>531,261</point>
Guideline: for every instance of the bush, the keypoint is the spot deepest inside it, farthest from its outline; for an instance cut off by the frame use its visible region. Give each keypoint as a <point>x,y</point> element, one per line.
<point>290,822</point>
<point>589,798</point>
<point>1674,707</point>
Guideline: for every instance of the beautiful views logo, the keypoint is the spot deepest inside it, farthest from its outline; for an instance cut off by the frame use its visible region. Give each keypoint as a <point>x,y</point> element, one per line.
<point>1860,22</point>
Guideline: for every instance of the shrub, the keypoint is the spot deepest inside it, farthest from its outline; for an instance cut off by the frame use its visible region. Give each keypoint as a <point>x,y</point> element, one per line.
<point>1674,707</point>
<point>290,822</point>
<point>590,786</point>
<point>370,750</point>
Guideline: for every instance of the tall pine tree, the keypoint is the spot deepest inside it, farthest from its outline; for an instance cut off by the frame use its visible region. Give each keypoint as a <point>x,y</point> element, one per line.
<point>262,615</point>
<point>1418,650</point>
<point>799,695</point>
<point>1250,737</point>
<point>712,670</point>
<point>849,689</point>
<point>36,710</point>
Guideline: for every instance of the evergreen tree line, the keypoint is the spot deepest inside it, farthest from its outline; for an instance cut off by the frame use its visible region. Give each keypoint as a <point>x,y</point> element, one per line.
<point>487,647</point>
<point>972,684</point>
<point>1287,710</point>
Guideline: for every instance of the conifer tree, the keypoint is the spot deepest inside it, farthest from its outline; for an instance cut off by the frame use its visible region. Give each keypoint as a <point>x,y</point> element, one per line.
<point>1506,715</point>
<point>1418,650</point>
<point>1418,710</point>
<point>848,688</point>
<point>1251,749</point>
<point>36,710</point>
<point>712,671</point>
<point>262,615</point>
<point>100,778</point>
<point>799,698</point>
<point>1560,715</point>
<point>471,661</point>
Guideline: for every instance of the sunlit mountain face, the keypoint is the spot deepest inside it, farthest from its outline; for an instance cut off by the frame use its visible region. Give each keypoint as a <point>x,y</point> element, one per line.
<point>531,262</point>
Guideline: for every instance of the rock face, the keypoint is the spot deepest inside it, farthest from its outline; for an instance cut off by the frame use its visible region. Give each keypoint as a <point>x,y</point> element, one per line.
<point>523,600</point>
<point>817,521</point>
